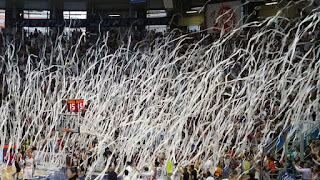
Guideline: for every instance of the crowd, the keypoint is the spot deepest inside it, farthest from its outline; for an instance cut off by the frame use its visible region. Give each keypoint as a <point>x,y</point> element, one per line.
<point>79,160</point>
<point>229,167</point>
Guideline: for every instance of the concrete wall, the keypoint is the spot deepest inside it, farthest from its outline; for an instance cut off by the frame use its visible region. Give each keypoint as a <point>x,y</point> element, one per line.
<point>292,11</point>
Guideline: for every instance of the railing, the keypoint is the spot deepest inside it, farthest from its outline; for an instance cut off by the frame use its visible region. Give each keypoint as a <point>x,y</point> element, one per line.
<point>304,141</point>
<point>278,143</point>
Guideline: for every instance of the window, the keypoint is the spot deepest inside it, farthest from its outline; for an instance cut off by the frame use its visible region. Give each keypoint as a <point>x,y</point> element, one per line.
<point>75,14</point>
<point>2,17</point>
<point>194,28</point>
<point>76,32</point>
<point>70,30</point>
<point>156,13</point>
<point>31,30</point>
<point>34,14</point>
<point>157,28</point>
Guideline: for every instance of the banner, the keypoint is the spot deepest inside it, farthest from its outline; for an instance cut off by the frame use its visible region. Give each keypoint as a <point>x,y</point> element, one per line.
<point>223,16</point>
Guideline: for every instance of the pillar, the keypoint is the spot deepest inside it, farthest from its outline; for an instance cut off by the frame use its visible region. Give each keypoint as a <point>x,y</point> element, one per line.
<point>56,15</point>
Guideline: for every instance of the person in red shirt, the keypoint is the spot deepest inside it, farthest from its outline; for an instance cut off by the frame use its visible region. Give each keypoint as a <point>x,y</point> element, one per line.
<point>272,166</point>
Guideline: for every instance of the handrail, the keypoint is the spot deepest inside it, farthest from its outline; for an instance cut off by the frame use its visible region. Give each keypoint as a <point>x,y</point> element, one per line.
<point>306,134</point>
<point>271,145</point>
<point>277,150</point>
<point>284,133</point>
<point>276,140</point>
<point>277,173</point>
<point>311,131</point>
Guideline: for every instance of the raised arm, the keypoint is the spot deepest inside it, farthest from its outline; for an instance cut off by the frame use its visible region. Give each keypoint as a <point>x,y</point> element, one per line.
<point>315,161</point>
<point>135,167</point>
<point>155,174</point>
<point>34,165</point>
<point>180,169</point>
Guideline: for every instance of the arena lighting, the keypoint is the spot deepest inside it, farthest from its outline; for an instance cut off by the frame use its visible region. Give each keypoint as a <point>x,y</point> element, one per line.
<point>114,15</point>
<point>191,12</point>
<point>155,11</point>
<point>196,8</point>
<point>271,3</point>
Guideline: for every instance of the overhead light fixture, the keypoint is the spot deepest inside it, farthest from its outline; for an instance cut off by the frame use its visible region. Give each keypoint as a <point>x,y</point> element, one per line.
<point>114,15</point>
<point>191,12</point>
<point>196,8</point>
<point>152,13</point>
<point>271,3</point>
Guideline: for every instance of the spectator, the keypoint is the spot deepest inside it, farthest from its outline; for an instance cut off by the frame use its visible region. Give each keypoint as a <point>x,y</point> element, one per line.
<point>194,173</point>
<point>130,169</point>
<point>209,176</point>
<point>184,172</point>
<point>111,174</point>
<point>126,175</point>
<point>146,174</point>
<point>306,173</point>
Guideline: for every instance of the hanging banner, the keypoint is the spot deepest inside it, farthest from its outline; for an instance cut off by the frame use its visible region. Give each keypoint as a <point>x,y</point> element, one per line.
<point>223,16</point>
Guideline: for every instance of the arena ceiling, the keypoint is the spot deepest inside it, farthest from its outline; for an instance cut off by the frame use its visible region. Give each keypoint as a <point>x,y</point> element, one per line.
<point>100,4</point>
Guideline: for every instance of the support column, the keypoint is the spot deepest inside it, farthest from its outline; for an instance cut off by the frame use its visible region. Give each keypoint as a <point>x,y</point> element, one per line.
<point>92,16</point>
<point>12,15</point>
<point>302,147</point>
<point>56,15</point>
<point>141,14</point>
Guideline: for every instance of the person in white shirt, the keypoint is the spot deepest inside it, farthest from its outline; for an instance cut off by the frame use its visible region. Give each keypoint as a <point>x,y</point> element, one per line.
<point>146,174</point>
<point>209,176</point>
<point>208,165</point>
<point>126,175</point>
<point>159,173</point>
<point>306,173</point>
<point>176,175</point>
<point>130,169</point>
<point>30,166</point>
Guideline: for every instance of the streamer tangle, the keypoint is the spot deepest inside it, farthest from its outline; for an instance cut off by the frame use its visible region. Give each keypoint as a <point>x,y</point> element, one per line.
<point>185,97</point>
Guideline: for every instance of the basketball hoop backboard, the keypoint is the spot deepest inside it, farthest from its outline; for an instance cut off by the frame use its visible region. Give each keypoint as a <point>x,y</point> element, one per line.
<point>68,123</point>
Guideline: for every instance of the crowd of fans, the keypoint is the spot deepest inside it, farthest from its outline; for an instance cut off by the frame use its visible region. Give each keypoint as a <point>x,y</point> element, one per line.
<point>267,167</point>
<point>79,161</point>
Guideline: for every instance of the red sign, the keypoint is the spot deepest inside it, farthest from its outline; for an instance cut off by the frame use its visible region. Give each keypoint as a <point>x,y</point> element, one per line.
<point>75,105</point>
<point>79,105</point>
<point>223,16</point>
<point>227,19</point>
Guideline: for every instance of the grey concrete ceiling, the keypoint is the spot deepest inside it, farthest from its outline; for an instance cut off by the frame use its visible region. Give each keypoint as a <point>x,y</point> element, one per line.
<point>100,4</point>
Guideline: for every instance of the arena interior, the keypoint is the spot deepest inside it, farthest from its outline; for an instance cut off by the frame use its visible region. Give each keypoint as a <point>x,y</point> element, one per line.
<point>160,89</point>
